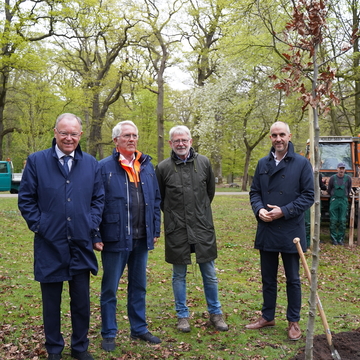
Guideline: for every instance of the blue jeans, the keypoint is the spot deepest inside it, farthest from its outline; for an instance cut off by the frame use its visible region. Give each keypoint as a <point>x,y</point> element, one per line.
<point>114,264</point>
<point>210,282</point>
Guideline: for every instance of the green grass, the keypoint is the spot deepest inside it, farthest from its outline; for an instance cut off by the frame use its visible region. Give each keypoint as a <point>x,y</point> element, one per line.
<point>21,333</point>
<point>228,189</point>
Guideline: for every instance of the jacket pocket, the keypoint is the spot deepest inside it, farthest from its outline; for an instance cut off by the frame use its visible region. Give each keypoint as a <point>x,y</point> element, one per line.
<point>110,227</point>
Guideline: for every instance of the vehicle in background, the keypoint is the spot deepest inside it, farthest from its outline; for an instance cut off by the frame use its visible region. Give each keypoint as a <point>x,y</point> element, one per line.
<point>334,150</point>
<point>9,181</point>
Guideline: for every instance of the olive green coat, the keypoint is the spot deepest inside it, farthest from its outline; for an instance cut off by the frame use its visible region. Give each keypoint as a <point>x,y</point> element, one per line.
<point>187,189</point>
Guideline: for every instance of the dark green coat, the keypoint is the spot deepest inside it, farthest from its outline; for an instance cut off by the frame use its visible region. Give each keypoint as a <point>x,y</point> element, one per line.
<point>187,189</point>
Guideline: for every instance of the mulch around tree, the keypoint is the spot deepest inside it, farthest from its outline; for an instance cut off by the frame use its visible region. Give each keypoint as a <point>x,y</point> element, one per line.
<point>346,343</point>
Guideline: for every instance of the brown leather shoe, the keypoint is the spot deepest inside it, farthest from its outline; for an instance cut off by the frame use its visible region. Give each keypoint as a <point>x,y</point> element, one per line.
<point>260,323</point>
<point>294,331</point>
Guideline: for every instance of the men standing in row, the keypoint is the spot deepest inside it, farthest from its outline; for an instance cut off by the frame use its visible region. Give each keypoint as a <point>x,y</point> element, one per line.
<point>129,229</point>
<point>339,188</point>
<point>61,197</point>
<point>281,191</point>
<point>187,186</point>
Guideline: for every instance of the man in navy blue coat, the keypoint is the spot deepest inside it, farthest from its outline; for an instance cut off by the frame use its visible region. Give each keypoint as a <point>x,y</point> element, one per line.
<point>61,197</point>
<point>281,191</point>
<point>130,227</point>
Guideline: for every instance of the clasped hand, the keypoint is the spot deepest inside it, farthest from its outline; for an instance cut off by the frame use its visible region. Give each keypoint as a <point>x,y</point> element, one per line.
<point>271,215</point>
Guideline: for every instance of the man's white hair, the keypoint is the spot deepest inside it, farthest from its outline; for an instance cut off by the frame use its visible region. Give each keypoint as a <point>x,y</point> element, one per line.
<point>117,130</point>
<point>178,130</point>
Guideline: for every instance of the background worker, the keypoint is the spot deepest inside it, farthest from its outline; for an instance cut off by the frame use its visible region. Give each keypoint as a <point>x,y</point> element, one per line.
<point>339,188</point>
<point>130,227</point>
<point>187,186</point>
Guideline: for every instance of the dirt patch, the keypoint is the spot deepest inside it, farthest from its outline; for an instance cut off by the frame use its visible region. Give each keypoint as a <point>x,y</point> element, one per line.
<point>347,345</point>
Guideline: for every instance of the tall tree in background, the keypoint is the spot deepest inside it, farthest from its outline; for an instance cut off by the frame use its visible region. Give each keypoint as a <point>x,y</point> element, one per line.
<point>93,51</point>
<point>203,30</point>
<point>347,15</point>
<point>33,104</point>
<point>159,40</point>
<point>20,26</point>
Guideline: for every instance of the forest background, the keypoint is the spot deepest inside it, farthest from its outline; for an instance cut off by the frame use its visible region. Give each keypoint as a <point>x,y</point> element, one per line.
<point>207,64</point>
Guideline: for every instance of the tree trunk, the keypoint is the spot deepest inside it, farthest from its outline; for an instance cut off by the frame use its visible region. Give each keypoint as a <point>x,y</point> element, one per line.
<point>160,115</point>
<point>316,240</point>
<point>218,171</point>
<point>246,169</point>
<point>95,128</point>
<point>356,64</point>
<point>4,77</point>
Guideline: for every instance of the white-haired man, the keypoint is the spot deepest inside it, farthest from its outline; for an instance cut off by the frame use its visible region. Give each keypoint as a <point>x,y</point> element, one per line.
<point>187,186</point>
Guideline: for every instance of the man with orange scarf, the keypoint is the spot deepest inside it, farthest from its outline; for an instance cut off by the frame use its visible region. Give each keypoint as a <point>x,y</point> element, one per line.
<point>130,227</point>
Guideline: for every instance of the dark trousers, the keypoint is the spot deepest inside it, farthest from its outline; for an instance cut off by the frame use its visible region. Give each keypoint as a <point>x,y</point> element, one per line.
<point>269,270</point>
<point>80,313</point>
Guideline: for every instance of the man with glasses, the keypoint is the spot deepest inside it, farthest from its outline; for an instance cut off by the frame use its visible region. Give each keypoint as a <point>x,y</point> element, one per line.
<point>61,197</point>
<point>130,227</point>
<point>187,186</point>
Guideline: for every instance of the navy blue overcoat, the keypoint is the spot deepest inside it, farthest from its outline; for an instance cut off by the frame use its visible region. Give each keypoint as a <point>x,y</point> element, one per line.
<point>289,185</point>
<point>64,212</point>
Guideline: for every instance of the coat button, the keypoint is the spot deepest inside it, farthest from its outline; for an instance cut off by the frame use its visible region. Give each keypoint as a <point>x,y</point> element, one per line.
<point>69,218</point>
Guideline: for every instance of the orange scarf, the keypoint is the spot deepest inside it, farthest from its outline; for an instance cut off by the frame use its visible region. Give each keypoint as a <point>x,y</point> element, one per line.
<point>132,171</point>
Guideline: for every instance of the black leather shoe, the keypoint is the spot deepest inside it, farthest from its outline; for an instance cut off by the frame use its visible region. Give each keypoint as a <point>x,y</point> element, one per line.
<point>108,344</point>
<point>85,355</point>
<point>54,357</point>
<point>148,337</point>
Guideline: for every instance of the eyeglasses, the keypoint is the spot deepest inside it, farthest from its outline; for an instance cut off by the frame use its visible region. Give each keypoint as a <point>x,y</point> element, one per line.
<point>65,134</point>
<point>128,136</point>
<point>177,142</point>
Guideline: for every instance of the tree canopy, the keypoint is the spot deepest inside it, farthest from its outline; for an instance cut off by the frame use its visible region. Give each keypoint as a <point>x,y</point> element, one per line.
<point>109,61</point>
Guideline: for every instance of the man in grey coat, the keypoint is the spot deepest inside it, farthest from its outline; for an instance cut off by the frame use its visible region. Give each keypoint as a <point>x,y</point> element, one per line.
<point>187,187</point>
<point>281,191</point>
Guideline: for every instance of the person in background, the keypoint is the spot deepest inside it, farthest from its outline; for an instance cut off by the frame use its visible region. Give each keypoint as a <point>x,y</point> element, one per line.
<point>339,188</point>
<point>187,186</point>
<point>61,197</point>
<point>130,227</point>
<point>281,191</point>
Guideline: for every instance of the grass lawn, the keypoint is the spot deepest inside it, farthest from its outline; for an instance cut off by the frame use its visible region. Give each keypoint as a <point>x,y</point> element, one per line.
<point>21,332</point>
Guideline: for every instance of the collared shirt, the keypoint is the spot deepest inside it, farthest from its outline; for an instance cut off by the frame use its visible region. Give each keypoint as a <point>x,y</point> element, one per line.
<point>127,162</point>
<point>276,159</point>
<point>184,160</point>
<point>60,155</point>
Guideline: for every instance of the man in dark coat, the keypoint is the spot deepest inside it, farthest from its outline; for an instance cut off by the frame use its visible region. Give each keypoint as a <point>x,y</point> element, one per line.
<point>61,197</point>
<point>281,191</point>
<point>129,229</point>
<point>187,186</point>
